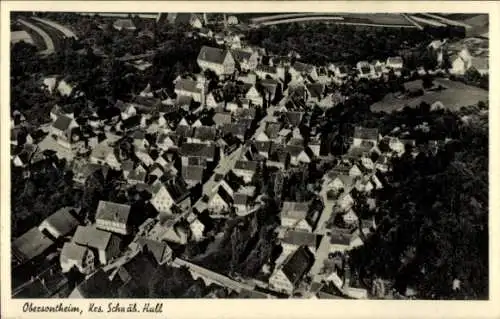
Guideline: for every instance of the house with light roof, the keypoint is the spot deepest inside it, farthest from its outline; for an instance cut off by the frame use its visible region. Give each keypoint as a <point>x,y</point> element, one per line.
<point>124,24</point>
<point>113,217</point>
<point>294,215</point>
<point>78,257</point>
<point>395,63</point>
<point>173,192</point>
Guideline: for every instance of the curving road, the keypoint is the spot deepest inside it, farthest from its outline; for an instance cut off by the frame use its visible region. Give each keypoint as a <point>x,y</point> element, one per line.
<point>64,30</point>
<point>49,44</point>
<point>55,35</point>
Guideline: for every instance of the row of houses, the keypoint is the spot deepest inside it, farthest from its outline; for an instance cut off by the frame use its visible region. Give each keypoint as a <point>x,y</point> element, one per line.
<point>224,62</point>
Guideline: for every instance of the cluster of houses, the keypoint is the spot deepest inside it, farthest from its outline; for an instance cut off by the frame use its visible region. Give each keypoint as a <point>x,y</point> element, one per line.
<point>250,63</point>
<point>208,162</point>
<point>464,55</point>
<point>312,239</point>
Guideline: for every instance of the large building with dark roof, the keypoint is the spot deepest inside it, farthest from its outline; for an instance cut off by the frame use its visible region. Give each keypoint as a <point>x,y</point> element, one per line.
<point>96,286</point>
<point>363,134</point>
<point>30,246</point>
<point>206,151</point>
<point>193,174</point>
<point>61,223</point>
<point>218,60</point>
<point>189,88</point>
<point>236,129</point>
<point>105,244</point>
<point>286,278</point>
<point>133,277</point>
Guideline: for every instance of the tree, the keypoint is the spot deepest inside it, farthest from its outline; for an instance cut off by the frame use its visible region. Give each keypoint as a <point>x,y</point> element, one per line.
<point>169,282</point>
<point>317,43</point>
<point>256,259</point>
<point>428,59</point>
<point>429,234</point>
<point>196,290</point>
<point>238,244</point>
<point>472,75</point>
<point>339,145</point>
<point>424,107</point>
<point>278,184</point>
<point>427,82</point>
<point>92,194</point>
<point>41,194</point>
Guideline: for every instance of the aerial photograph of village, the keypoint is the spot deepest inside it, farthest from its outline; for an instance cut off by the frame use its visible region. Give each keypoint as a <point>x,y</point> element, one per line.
<point>249,155</point>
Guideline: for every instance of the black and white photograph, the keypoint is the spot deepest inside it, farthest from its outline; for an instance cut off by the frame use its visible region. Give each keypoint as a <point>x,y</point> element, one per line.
<point>249,155</point>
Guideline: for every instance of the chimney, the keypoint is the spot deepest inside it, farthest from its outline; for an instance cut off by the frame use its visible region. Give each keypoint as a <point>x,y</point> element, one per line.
<point>205,19</point>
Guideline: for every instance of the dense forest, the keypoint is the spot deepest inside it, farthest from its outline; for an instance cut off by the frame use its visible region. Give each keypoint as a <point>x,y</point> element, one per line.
<point>433,213</point>
<point>171,282</point>
<point>247,244</point>
<point>321,43</point>
<point>100,75</point>
<point>433,221</point>
<point>48,188</point>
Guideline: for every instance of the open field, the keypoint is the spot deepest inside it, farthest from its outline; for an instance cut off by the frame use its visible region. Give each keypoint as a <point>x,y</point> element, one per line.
<point>445,20</point>
<point>455,96</point>
<point>458,16</point>
<point>476,22</point>
<point>377,19</point>
<point>424,20</point>
<point>247,17</point>
<point>380,18</point>
<point>37,38</point>
<point>479,25</point>
<point>142,15</point>
<point>268,17</point>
